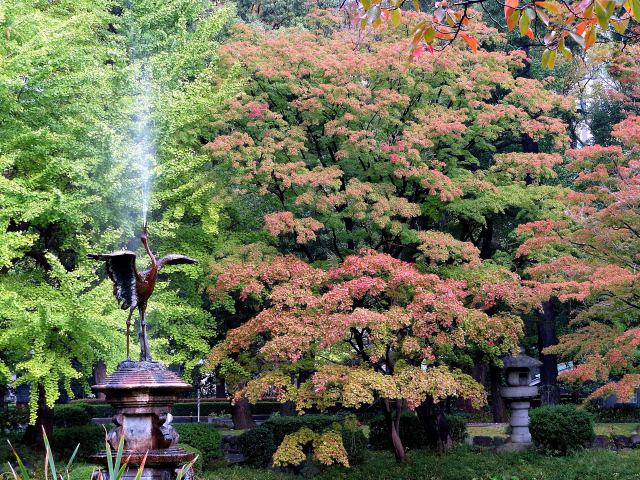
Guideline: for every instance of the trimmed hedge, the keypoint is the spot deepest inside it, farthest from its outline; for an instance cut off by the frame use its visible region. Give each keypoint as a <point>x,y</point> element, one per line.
<point>90,437</point>
<point>260,443</point>
<point>615,414</point>
<point>221,408</point>
<point>412,434</point>
<point>72,415</point>
<point>103,410</point>
<point>561,429</point>
<point>257,446</point>
<point>202,437</point>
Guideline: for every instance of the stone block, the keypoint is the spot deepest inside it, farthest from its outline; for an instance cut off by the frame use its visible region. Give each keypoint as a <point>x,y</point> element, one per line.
<point>483,441</point>
<point>600,441</point>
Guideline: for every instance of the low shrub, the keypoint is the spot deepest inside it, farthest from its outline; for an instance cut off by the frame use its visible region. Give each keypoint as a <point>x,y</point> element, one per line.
<point>561,429</point>
<point>257,446</point>
<point>202,437</point>
<point>281,426</point>
<point>260,443</point>
<point>197,467</point>
<point>457,427</point>
<point>412,433</point>
<point>13,419</point>
<point>72,415</point>
<point>221,408</point>
<point>615,414</point>
<point>354,440</point>
<point>101,410</point>
<point>90,437</point>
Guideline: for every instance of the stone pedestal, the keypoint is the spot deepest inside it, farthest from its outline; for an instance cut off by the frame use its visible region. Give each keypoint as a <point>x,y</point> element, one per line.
<point>520,422</point>
<point>142,395</point>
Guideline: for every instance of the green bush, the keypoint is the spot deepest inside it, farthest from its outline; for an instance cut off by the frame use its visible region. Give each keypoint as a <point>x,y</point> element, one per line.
<point>354,441</point>
<point>615,414</point>
<point>202,437</point>
<point>457,427</point>
<point>197,467</point>
<point>101,410</point>
<point>281,426</point>
<point>13,419</point>
<point>90,437</point>
<point>72,415</point>
<point>257,446</point>
<point>412,433</point>
<point>184,409</point>
<point>561,429</point>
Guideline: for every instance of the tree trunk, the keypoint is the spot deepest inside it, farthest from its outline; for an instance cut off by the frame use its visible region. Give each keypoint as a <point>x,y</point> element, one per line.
<point>241,413</point>
<point>221,391</point>
<point>288,409</point>
<point>100,376</point>
<point>393,424</point>
<point>549,391</point>
<point>486,240</point>
<point>33,434</point>
<point>3,393</point>
<point>436,427</point>
<point>498,407</point>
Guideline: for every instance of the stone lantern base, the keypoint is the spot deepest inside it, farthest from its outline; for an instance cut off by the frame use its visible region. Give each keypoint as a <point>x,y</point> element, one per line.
<point>519,398</point>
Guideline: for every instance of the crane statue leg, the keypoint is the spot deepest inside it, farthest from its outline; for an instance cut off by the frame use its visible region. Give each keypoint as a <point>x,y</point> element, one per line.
<point>145,351</point>
<point>129,331</point>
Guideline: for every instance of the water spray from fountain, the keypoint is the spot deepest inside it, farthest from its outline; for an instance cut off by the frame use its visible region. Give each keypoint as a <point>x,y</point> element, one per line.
<point>144,151</point>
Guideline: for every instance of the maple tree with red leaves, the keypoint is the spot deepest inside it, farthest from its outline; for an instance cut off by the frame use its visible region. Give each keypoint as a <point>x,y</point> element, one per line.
<point>387,187</point>
<point>590,255</point>
<point>374,327</point>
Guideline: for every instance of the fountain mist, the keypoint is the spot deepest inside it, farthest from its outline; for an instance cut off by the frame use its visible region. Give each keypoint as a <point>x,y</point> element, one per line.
<point>143,151</point>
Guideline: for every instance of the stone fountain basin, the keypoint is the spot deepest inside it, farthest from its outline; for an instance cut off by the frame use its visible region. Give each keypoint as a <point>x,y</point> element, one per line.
<point>154,457</point>
<point>523,391</point>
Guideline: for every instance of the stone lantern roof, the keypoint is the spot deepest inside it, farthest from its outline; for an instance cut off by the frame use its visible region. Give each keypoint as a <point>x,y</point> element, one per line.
<point>520,361</point>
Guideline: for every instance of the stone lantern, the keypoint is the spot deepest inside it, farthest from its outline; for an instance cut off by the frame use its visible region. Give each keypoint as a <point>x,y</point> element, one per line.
<point>519,393</point>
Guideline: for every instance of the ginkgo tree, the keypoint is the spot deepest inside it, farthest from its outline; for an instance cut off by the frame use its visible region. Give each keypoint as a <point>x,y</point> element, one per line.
<point>556,25</point>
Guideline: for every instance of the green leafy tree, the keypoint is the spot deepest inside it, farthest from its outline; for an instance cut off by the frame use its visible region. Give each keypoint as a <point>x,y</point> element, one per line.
<point>69,96</point>
<point>62,116</point>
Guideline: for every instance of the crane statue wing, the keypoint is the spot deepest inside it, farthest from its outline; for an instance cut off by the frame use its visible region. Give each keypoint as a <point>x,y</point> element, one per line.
<point>174,259</point>
<point>121,268</point>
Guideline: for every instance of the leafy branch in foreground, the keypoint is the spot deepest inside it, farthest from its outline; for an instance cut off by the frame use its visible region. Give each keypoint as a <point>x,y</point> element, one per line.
<point>553,24</point>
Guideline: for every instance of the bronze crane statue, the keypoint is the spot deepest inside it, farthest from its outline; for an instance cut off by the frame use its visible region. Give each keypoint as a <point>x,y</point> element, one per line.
<point>132,289</point>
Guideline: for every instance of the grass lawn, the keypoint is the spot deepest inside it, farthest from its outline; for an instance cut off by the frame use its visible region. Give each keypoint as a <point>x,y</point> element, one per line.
<point>466,463</point>
<point>462,463</point>
<point>616,428</point>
